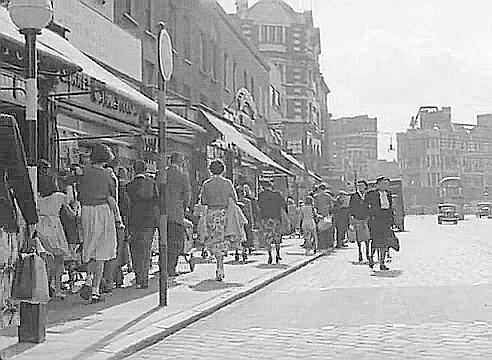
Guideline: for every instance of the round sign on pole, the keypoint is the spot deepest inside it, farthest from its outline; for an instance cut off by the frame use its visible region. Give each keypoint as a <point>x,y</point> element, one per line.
<point>165,53</point>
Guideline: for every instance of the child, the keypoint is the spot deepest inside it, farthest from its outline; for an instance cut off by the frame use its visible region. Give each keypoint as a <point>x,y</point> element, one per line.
<point>51,232</point>
<point>308,220</point>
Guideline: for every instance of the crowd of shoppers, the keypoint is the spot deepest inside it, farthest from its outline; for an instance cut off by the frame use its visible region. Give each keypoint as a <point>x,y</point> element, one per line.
<point>119,218</point>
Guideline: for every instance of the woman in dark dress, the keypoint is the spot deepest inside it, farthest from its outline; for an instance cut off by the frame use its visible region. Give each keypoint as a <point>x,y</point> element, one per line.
<point>271,203</point>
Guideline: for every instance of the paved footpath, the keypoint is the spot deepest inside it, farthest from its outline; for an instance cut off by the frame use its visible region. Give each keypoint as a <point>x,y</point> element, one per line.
<point>435,303</point>
<point>122,329</point>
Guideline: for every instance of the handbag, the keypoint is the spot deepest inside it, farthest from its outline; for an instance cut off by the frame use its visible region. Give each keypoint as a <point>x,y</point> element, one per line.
<point>71,225</point>
<point>325,224</point>
<point>31,276</point>
<point>285,228</point>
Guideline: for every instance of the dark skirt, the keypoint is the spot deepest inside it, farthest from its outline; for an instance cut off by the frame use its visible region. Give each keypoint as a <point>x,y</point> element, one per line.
<point>380,229</point>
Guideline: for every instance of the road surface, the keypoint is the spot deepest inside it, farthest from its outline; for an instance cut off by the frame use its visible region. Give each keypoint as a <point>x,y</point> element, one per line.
<point>434,303</point>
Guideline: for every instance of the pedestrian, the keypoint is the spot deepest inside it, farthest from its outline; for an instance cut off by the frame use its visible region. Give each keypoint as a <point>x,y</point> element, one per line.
<point>178,199</point>
<point>359,213</point>
<point>51,232</point>
<point>215,194</point>
<point>294,215</point>
<point>271,204</point>
<point>97,194</point>
<point>247,208</point>
<point>381,220</point>
<point>308,217</point>
<point>142,222</point>
<point>324,202</point>
<point>341,217</point>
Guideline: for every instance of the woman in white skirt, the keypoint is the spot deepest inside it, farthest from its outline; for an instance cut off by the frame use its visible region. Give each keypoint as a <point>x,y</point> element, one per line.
<point>96,190</point>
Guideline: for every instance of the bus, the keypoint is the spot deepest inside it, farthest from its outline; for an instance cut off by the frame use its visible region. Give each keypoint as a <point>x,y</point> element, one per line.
<point>451,191</point>
<point>396,189</point>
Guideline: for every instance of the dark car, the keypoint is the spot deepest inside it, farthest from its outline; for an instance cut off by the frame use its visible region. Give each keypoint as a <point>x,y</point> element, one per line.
<point>447,213</point>
<point>484,210</point>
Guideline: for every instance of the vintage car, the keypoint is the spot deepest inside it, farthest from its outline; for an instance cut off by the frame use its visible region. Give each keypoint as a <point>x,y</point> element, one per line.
<point>447,213</point>
<point>484,209</point>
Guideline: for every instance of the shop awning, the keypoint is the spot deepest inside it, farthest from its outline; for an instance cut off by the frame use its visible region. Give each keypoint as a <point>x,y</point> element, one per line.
<point>232,136</point>
<point>293,160</point>
<point>314,175</point>
<point>10,33</point>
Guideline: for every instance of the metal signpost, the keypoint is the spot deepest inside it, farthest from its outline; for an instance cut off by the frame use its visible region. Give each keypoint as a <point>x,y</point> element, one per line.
<point>164,52</point>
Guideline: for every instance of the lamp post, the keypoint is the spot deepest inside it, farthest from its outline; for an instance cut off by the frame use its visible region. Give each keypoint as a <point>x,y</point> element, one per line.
<point>30,16</point>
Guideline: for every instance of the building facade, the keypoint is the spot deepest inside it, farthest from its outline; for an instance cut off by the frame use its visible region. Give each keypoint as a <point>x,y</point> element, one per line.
<point>291,44</point>
<point>435,147</point>
<point>353,148</point>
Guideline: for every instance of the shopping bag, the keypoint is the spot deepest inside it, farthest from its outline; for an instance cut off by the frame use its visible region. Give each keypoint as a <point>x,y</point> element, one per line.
<point>30,279</point>
<point>285,226</point>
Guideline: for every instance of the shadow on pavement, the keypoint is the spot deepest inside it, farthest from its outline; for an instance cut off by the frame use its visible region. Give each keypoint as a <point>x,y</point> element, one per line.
<point>272,266</point>
<point>387,274</point>
<point>240,262</point>
<point>213,285</point>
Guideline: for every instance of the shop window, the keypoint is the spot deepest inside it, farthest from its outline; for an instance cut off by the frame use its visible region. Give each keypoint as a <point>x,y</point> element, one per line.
<point>245,79</point>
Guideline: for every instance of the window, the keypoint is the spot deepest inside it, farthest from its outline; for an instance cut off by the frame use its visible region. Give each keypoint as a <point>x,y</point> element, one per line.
<point>271,34</point>
<point>203,53</point>
<point>173,23</point>
<point>148,16</point>
<point>234,73</point>
<point>128,7</point>
<point>252,89</point>
<point>245,79</point>
<point>226,71</point>
<point>187,37</point>
<point>149,72</point>
<point>215,60</point>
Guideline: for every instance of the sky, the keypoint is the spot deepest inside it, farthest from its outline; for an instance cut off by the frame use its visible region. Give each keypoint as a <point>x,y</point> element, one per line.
<point>386,58</point>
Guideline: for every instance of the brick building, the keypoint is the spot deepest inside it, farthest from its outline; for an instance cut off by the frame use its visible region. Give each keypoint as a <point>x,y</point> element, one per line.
<point>291,44</point>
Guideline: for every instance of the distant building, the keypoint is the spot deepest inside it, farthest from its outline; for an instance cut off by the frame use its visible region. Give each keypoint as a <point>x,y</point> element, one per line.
<point>353,147</point>
<point>435,147</point>
<point>291,45</point>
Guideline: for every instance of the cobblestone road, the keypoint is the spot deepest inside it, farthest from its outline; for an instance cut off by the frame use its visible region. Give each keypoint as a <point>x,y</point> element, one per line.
<point>435,303</point>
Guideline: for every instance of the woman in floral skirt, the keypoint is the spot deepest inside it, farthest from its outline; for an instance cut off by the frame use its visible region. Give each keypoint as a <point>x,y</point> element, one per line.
<point>216,192</point>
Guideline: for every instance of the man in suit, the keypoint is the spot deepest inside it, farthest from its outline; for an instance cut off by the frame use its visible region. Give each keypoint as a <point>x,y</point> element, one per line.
<point>144,211</point>
<point>381,219</point>
<point>359,213</point>
<point>178,198</point>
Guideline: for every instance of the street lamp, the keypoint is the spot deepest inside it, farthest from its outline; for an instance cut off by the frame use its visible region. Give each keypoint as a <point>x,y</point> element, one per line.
<point>30,16</point>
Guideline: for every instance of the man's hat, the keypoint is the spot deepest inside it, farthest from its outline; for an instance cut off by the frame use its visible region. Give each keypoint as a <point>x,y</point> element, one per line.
<point>382,178</point>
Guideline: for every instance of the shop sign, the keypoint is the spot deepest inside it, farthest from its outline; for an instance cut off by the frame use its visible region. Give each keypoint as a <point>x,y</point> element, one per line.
<point>99,96</point>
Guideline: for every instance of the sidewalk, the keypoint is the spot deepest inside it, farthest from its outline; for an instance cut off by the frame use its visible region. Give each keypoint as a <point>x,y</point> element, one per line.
<point>123,329</point>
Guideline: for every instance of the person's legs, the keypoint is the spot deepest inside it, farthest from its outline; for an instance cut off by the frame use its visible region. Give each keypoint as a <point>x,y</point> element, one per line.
<point>136,249</point>
<point>146,249</point>
<point>219,257</point>
<point>98,274</point>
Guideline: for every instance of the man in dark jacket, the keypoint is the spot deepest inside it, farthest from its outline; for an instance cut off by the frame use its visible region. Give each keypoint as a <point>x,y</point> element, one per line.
<point>323,202</point>
<point>381,219</point>
<point>142,222</point>
<point>178,198</point>
<point>359,213</point>
<point>341,217</point>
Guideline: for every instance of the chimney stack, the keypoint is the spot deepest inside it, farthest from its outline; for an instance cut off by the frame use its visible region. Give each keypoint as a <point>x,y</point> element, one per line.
<point>242,7</point>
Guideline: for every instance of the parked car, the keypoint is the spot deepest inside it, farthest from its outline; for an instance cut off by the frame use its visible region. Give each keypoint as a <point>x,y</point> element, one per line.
<point>484,209</point>
<point>448,213</point>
